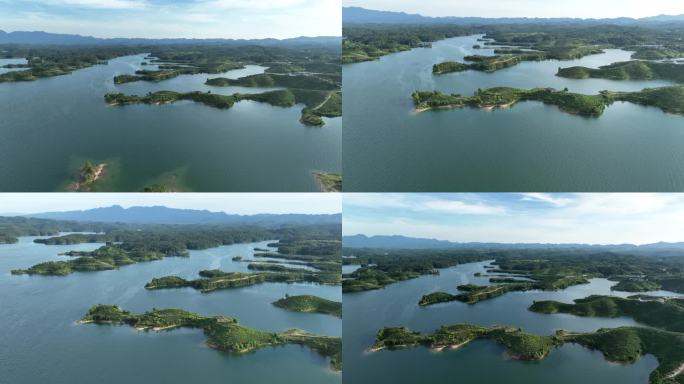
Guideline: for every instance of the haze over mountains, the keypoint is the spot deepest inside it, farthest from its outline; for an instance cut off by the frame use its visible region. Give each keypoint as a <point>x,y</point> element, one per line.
<point>358,15</point>
<point>165,215</point>
<point>404,242</point>
<point>46,38</point>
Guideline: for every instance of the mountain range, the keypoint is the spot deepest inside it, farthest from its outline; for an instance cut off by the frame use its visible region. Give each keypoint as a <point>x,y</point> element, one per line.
<point>46,38</point>
<point>404,242</point>
<point>358,15</point>
<point>165,215</point>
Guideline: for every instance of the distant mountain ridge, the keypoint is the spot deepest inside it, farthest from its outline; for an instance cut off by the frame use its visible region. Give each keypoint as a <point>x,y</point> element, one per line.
<point>404,242</point>
<point>47,38</point>
<point>165,215</point>
<point>358,15</point>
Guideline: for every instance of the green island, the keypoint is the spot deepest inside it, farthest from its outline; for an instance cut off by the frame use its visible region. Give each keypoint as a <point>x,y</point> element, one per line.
<point>129,244</point>
<point>547,268</point>
<point>473,294</point>
<point>489,63</point>
<point>212,280</point>
<point>364,42</point>
<point>628,70</point>
<point>319,94</point>
<point>623,345</point>
<point>329,182</point>
<point>104,258</point>
<point>664,313</point>
<point>49,61</point>
<point>668,99</point>
<point>310,304</point>
<point>88,175</point>
<point>636,285</point>
<point>222,332</point>
<point>11,228</point>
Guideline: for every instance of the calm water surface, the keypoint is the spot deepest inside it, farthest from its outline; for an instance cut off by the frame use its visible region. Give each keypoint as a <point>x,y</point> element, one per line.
<point>49,127</point>
<point>479,361</point>
<point>38,317</point>
<point>530,146</point>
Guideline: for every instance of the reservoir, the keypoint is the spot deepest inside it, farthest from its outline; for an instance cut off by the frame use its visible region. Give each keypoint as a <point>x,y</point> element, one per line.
<point>528,147</point>
<point>39,316</point>
<point>481,361</point>
<point>51,126</point>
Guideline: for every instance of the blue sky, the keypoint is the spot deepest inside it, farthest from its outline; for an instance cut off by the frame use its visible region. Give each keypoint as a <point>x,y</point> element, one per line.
<point>174,18</point>
<point>527,8</point>
<point>238,203</point>
<point>510,217</point>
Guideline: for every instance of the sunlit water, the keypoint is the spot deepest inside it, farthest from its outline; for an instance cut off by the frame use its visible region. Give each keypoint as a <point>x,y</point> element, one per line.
<point>50,126</point>
<point>41,342</point>
<point>479,361</point>
<point>531,146</point>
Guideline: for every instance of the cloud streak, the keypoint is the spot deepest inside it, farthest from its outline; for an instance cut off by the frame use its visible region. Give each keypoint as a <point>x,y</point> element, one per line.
<point>547,218</point>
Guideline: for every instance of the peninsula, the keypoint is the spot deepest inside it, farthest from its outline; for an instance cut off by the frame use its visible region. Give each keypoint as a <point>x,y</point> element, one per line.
<point>668,99</point>
<point>223,333</point>
<point>622,345</point>
<point>663,313</point>
<point>628,70</point>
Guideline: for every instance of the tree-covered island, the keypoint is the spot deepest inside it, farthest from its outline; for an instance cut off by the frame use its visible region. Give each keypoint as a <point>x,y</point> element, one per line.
<point>623,345</point>
<point>663,313</point>
<point>628,70</point>
<point>222,332</point>
<point>473,294</point>
<point>310,304</point>
<point>212,280</point>
<point>668,99</point>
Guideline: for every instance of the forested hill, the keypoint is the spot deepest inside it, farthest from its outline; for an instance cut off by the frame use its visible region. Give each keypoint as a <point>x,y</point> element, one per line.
<point>404,242</point>
<point>165,215</point>
<point>357,15</point>
<point>47,38</point>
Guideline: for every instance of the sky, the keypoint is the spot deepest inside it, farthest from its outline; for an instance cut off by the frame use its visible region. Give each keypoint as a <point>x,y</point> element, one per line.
<point>527,8</point>
<point>609,218</point>
<point>235,203</point>
<point>175,18</point>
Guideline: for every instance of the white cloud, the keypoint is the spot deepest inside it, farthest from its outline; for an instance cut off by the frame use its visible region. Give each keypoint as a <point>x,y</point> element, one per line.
<point>102,4</point>
<point>603,218</point>
<point>546,198</point>
<point>449,204</point>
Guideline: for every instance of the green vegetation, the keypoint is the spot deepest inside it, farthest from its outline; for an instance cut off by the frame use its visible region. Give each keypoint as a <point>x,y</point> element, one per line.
<point>518,345</point>
<point>636,285</point>
<point>223,333</point>
<point>624,344</point>
<point>448,67</point>
<point>140,243</point>
<point>104,258</point>
<point>212,280</point>
<point>384,267</point>
<point>473,294</point>
<point>52,60</point>
<point>502,97</point>
<point>628,70</point>
<point>370,42</point>
<point>329,182</point>
<point>545,268</point>
<point>488,63</point>
<point>13,227</point>
<point>668,99</point>
<point>319,94</point>
<point>308,303</point>
<point>88,175</point>
<point>667,314</point>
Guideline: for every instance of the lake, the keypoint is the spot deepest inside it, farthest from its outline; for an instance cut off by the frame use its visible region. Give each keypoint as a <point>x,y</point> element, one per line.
<point>529,147</point>
<point>39,315</point>
<point>49,127</point>
<point>480,361</point>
